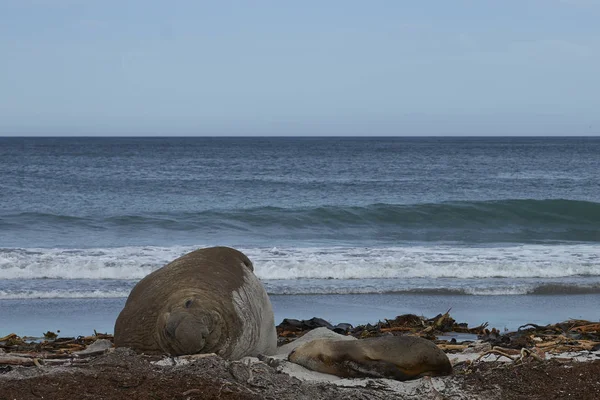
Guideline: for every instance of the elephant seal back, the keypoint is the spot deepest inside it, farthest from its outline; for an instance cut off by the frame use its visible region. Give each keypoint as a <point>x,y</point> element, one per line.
<point>396,357</point>
<point>207,301</point>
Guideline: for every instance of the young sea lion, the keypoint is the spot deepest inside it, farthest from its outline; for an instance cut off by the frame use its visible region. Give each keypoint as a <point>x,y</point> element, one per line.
<point>207,301</point>
<point>396,357</point>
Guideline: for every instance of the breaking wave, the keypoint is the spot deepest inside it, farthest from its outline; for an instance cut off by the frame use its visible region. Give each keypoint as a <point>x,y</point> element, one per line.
<point>480,221</point>
<point>526,269</point>
<point>441,261</point>
<point>323,288</point>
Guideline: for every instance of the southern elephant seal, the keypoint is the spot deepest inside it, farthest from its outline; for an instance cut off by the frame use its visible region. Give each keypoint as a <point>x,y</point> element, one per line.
<point>207,301</point>
<point>396,357</point>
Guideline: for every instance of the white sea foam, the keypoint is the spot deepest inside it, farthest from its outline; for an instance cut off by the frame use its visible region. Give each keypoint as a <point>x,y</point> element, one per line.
<point>499,291</point>
<point>61,294</point>
<point>105,263</point>
<point>522,261</point>
<point>519,261</point>
<point>434,286</point>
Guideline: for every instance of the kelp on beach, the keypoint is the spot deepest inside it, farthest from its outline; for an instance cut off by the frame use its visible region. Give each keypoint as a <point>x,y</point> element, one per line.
<point>50,348</point>
<point>536,340</point>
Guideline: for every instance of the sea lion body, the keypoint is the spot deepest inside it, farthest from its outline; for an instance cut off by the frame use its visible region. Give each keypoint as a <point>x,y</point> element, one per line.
<point>207,301</point>
<point>396,357</point>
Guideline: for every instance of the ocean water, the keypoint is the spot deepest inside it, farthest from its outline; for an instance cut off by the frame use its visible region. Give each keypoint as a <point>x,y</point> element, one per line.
<point>83,219</point>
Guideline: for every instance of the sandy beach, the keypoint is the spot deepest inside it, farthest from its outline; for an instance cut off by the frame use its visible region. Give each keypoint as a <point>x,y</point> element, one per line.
<point>123,375</point>
<point>538,362</point>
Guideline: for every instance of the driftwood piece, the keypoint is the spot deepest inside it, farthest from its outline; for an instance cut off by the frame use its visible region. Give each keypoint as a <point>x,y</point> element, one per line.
<point>512,352</point>
<point>496,352</point>
<point>563,344</point>
<point>452,347</point>
<point>553,343</point>
<point>528,353</point>
<point>520,356</point>
<point>16,360</point>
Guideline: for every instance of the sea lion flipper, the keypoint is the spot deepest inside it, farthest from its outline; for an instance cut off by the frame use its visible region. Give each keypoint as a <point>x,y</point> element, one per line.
<point>376,369</point>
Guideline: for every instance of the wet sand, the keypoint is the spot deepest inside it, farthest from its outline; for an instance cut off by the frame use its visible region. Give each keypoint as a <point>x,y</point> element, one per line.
<point>74,317</point>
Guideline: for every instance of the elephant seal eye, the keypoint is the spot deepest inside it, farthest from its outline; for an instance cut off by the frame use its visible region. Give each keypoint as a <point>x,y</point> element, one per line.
<point>188,303</point>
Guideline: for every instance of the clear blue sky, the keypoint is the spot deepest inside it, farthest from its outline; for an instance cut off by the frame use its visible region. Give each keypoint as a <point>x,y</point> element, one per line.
<point>142,67</point>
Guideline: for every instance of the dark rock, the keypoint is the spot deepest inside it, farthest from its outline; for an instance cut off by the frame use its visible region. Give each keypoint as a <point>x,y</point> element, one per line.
<point>342,328</point>
<point>315,322</point>
<point>294,325</point>
<point>289,324</point>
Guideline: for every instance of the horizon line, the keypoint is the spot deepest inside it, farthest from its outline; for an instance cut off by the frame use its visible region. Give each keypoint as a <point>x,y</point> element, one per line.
<point>142,136</point>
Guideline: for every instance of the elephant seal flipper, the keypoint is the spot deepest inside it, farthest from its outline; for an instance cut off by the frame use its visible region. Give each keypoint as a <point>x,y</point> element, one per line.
<point>207,301</point>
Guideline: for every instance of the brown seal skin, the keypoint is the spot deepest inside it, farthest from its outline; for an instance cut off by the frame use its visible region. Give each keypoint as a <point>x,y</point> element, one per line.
<point>396,357</point>
<point>207,301</point>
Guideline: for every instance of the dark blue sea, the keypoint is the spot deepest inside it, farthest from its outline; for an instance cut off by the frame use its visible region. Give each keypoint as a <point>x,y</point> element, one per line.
<point>86,218</point>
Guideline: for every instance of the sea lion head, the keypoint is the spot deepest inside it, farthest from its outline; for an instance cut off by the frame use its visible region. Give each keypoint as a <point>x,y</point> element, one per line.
<point>316,355</point>
<point>189,326</point>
